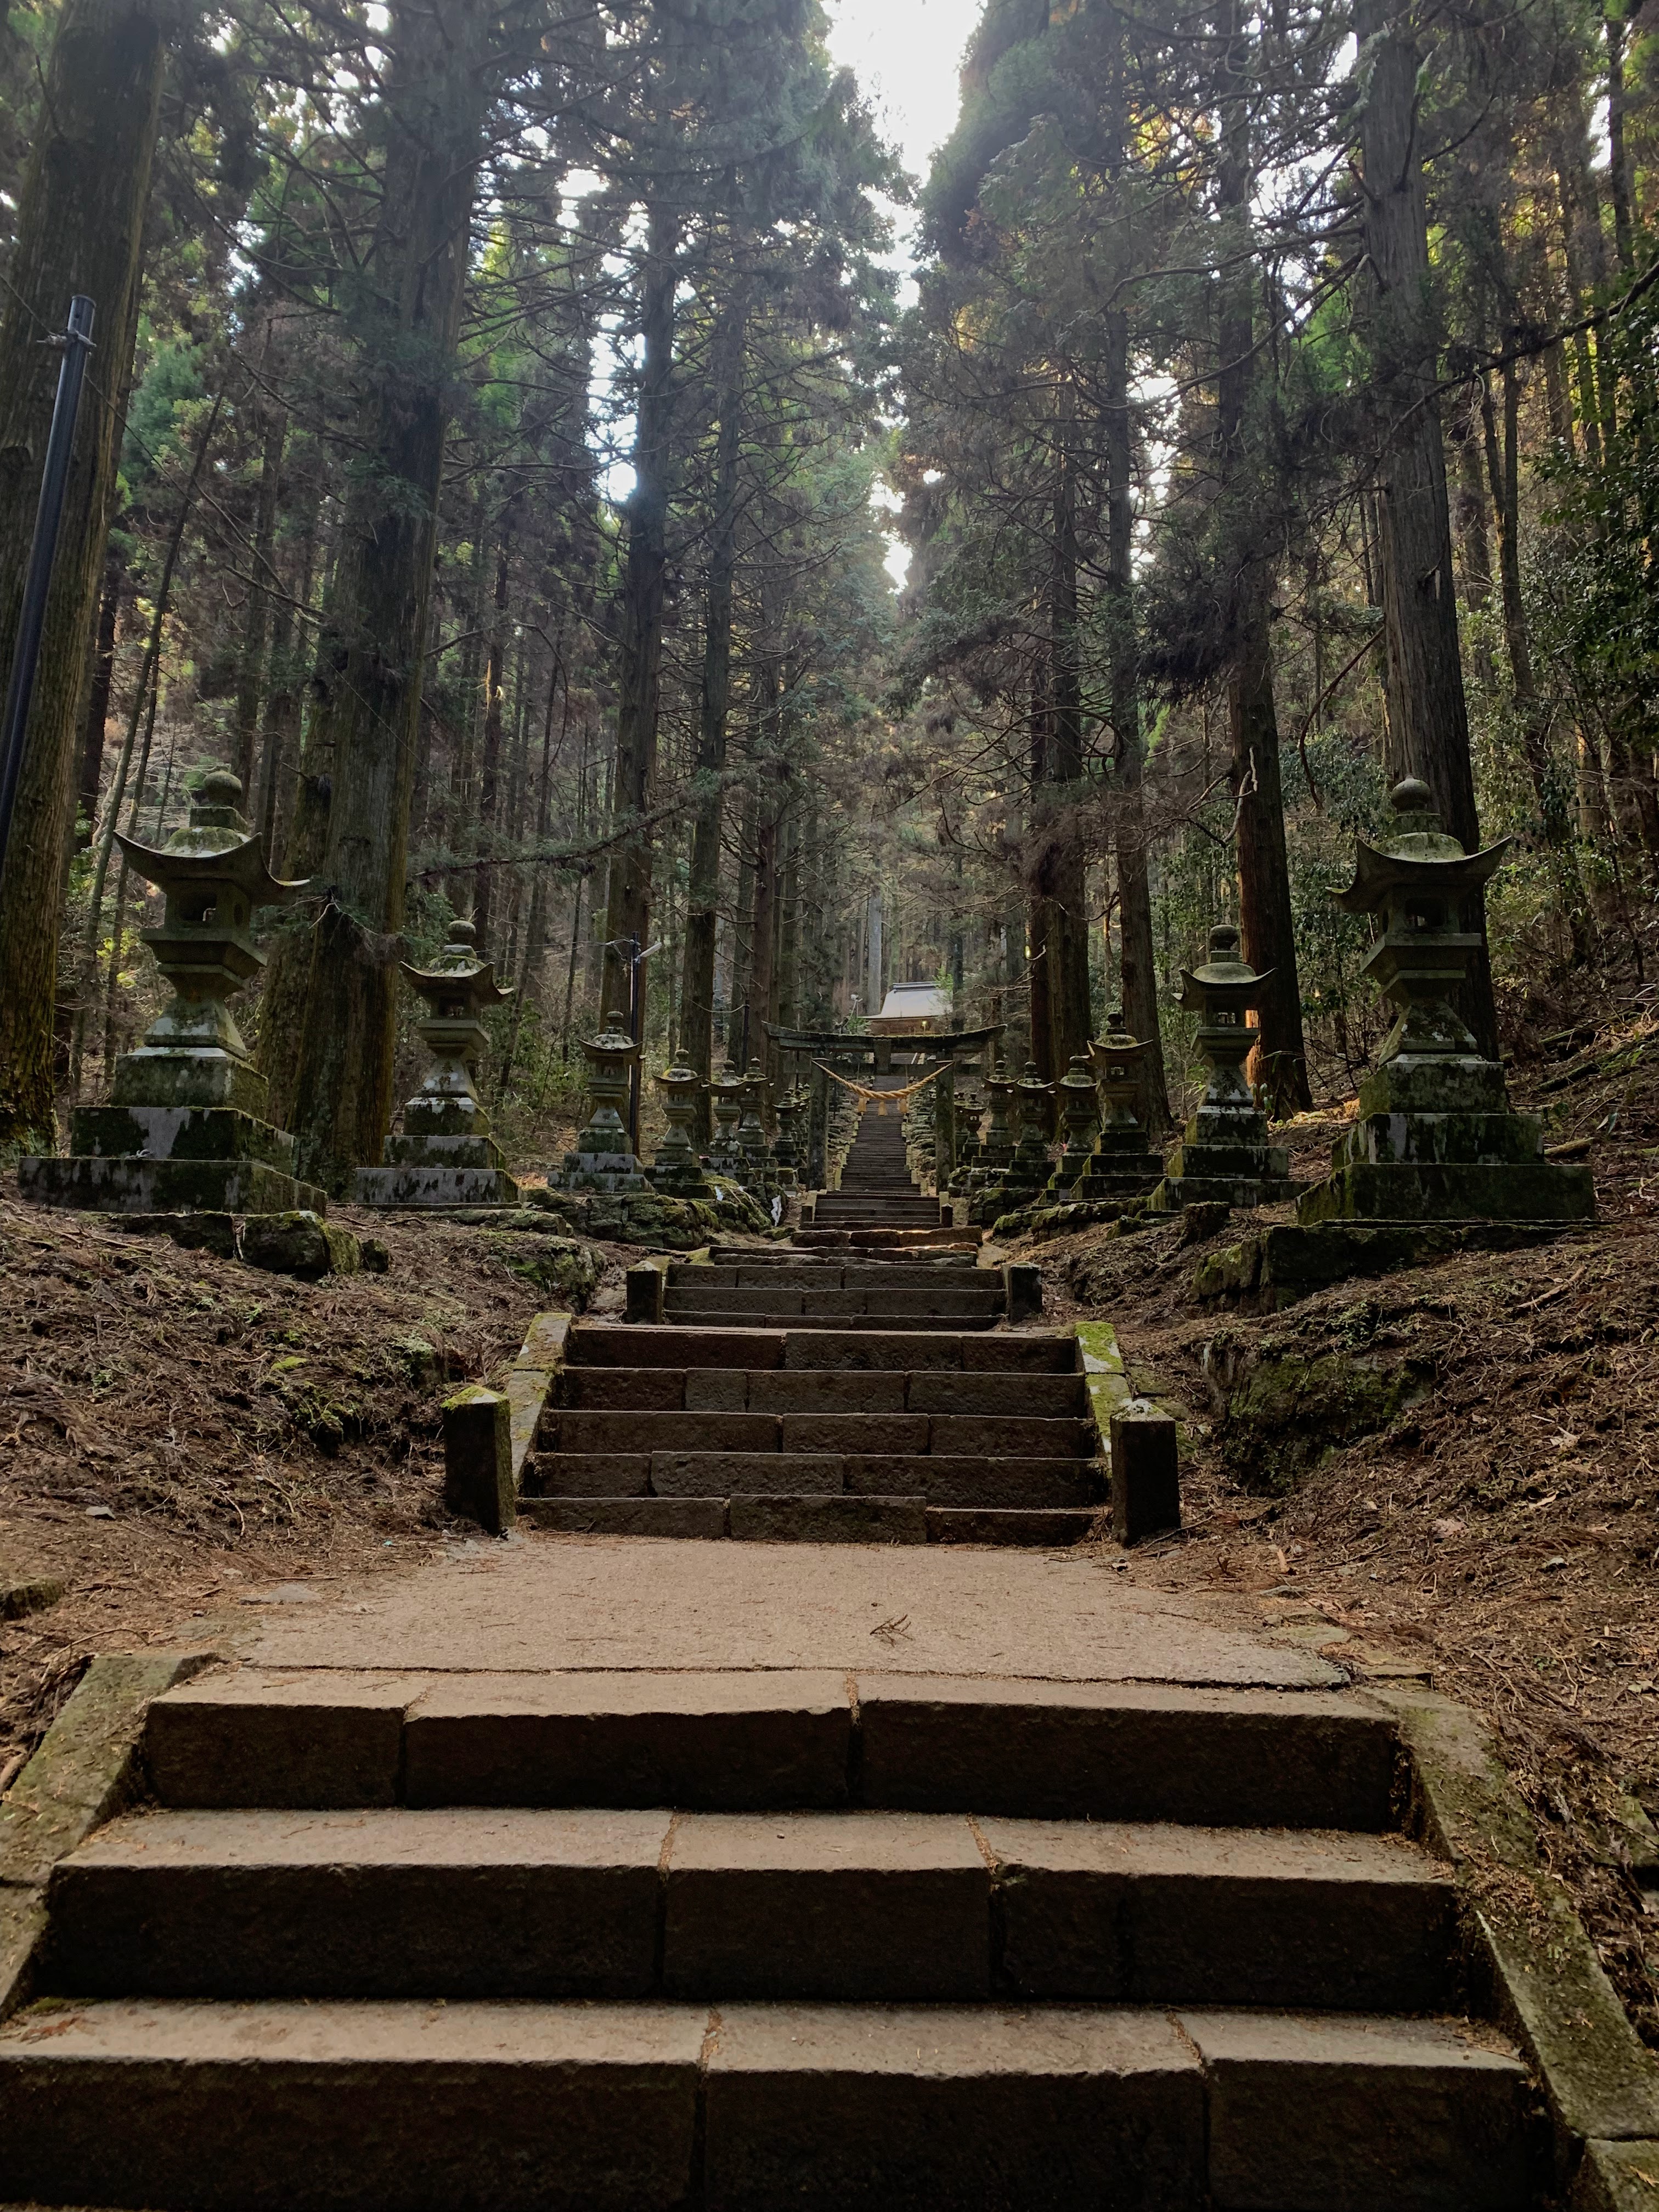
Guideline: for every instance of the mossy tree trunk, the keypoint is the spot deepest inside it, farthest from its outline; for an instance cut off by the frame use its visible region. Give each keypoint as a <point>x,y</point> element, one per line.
<point>80,228</point>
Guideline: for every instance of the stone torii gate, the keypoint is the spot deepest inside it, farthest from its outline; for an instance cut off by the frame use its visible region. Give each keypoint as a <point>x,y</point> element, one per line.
<point>862,1050</point>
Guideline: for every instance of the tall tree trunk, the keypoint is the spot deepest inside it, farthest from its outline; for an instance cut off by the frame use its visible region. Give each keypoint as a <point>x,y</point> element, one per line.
<point>490,776</point>
<point>1264,872</point>
<point>1419,592</point>
<point>251,673</point>
<point>702,892</point>
<point>639,682</point>
<point>95,721</point>
<point>1618,160</point>
<point>369,667</point>
<point>1061,874</point>
<point>79,227</point>
<point>1140,960</point>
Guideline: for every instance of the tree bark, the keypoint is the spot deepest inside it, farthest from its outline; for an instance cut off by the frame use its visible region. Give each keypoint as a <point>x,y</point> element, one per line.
<point>1140,961</point>
<point>1419,592</point>
<point>1060,880</point>
<point>95,721</point>
<point>79,228</point>
<point>639,685</point>
<point>489,775</point>
<point>702,893</point>
<point>1264,874</point>
<point>251,673</point>
<point>369,669</point>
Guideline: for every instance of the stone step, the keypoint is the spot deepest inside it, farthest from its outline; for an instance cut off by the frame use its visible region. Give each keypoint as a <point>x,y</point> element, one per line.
<point>517,1903</point>
<point>794,1272</point>
<point>765,1437</point>
<point>944,1301</point>
<point>636,1343</point>
<point>253,1736</point>
<point>716,1317</point>
<point>812,1515</point>
<point>958,1479</point>
<point>286,2107</point>
<point>701,1389</point>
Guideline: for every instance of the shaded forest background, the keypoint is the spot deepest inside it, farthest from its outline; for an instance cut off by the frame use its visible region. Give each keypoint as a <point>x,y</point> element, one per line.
<point>502,419</point>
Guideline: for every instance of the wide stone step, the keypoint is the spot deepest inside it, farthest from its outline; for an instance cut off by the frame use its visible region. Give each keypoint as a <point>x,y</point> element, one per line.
<point>702,1390</point>
<point>895,1242</point>
<point>476,1902</point>
<point>688,1297</point>
<point>717,1317</point>
<point>811,1514</point>
<point>310,1738</point>
<point>959,1480</point>
<point>287,2106</point>
<point>765,1434</point>
<point>636,1344</point>
<point>790,1271</point>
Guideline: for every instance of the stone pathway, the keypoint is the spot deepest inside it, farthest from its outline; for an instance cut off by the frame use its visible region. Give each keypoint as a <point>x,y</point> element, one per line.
<point>600,1873</point>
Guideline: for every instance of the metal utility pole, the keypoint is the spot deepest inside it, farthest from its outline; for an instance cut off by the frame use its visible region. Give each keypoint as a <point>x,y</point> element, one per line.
<point>75,343</point>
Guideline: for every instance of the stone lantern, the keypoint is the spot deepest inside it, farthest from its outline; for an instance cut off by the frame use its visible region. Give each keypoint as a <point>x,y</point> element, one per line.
<point>1224,1152</point>
<point>1436,1139</point>
<point>786,1150</point>
<point>969,1113</point>
<point>996,1146</point>
<point>448,1154</point>
<point>1124,1165</point>
<point>1079,1111</point>
<point>726,1152</point>
<point>757,1177</point>
<point>604,1157</point>
<point>184,1128</point>
<point>676,1171</point>
<point>1027,1171</point>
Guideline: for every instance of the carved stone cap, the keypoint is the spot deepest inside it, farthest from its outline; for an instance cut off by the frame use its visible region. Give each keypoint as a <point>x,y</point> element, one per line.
<point>215,846</point>
<point>1418,856</point>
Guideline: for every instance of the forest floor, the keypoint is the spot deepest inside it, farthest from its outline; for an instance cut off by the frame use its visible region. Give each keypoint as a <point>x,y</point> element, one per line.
<point>1453,1470</point>
<point>178,1429</point>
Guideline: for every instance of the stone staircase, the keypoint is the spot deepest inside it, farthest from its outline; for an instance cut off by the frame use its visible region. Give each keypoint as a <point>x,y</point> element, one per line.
<point>866,1429</point>
<point>738,1941</point>
<point>879,1199</point>
<point>747,1289</point>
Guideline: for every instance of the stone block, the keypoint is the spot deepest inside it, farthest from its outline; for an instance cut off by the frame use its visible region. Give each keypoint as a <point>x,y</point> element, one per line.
<point>424,1184</point>
<point>21,1594</point>
<point>181,1186</point>
<point>1146,1474</point>
<point>1023,1288</point>
<point>1014,1434</point>
<point>737,1475</point>
<point>300,1244</point>
<point>682,1519</point>
<point>854,1432</point>
<point>1009,1524</point>
<point>192,1232</point>
<point>826,1905</point>
<point>591,2108</point>
<point>598,1344</point>
<point>828,2108</point>
<point>1127,1752</point>
<point>870,1349</point>
<point>479,1482</point>
<point>1165,1915</point>
<point>261,1737</point>
<point>1347,2115</point>
<point>1535,1190</point>
<point>634,1389</point>
<point>1018,1355</point>
<point>645,1294</point>
<point>631,1431</point>
<point>726,1740</point>
<point>828,1520</point>
<point>179,1131</point>
<point>1052,1397</point>
<point>590,1474</point>
<point>1617,2176</point>
<point>827,1390</point>
<point>23,1925</point>
<point>454,1902</point>
<point>719,1390</point>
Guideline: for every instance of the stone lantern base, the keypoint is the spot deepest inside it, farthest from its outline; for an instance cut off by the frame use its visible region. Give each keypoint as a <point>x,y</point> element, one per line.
<point>1224,1155</point>
<point>1439,1141</point>
<point>1127,1172</point>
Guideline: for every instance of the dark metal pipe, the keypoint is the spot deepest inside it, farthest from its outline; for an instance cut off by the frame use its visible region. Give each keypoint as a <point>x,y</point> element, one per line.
<point>76,344</point>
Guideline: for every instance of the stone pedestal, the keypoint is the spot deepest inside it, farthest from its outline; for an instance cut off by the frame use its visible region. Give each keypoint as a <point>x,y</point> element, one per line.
<point>676,1170</point>
<point>447,1153</point>
<point>1436,1139</point>
<point>184,1130</point>
<point>1224,1155</point>
<point>604,1159</point>
<point>1124,1167</point>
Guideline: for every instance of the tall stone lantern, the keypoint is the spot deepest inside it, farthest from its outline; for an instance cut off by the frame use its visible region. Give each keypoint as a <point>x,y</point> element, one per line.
<point>604,1157</point>
<point>1124,1166</point>
<point>1224,1152</point>
<point>996,1145</point>
<point>785,1152</point>
<point>1079,1113</point>
<point>758,1177</point>
<point>726,1097</point>
<point>1027,1171</point>
<point>184,1130</point>
<point>676,1171</point>
<point>1436,1139</point>
<point>448,1154</point>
